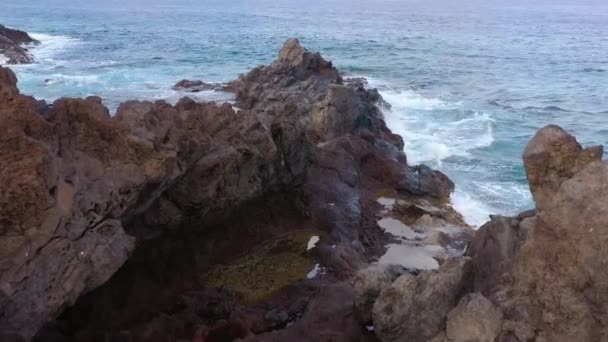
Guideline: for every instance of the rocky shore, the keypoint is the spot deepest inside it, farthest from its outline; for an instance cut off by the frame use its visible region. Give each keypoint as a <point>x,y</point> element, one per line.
<point>12,46</point>
<point>290,215</point>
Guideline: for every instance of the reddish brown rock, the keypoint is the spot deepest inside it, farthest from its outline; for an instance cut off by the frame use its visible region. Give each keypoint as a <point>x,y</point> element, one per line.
<point>82,188</point>
<point>543,268</point>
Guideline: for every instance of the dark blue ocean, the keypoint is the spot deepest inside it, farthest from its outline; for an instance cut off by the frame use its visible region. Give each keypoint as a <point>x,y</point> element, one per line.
<point>469,81</point>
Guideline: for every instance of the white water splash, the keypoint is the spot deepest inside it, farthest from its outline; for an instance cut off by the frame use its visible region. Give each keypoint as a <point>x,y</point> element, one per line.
<point>50,46</point>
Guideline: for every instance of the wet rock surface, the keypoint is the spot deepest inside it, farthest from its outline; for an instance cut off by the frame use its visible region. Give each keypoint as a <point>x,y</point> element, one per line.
<point>12,45</point>
<point>149,201</point>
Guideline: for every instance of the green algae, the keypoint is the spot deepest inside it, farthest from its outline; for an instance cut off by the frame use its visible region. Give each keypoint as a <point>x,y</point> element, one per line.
<point>266,269</point>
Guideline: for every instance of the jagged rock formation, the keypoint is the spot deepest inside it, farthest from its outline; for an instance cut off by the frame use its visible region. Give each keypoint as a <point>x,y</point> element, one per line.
<point>11,45</point>
<point>558,288</point>
<point>85,193</point>
<point>534,277</point>
<point>83,189</point>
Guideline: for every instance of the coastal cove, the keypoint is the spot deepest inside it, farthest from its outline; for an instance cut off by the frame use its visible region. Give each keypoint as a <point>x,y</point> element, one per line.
<point>466,87</point>
<point>293,208</point>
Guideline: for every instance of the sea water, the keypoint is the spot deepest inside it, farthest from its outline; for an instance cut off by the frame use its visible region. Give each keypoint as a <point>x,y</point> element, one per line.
<point>469,81</point>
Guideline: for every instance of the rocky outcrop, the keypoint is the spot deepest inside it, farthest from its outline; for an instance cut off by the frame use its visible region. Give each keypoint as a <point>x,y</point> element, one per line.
<point>11,45</point>
<point>533,277</point>
<point>542,268</point>
<point>557,291</point>
<point>168,187</point>
<point>84,189</point>
<point>414,308</point>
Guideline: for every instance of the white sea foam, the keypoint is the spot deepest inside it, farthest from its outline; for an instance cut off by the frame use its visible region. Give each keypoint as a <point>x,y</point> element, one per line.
<point>474,211</point>
<point>427,140</point>
<point>72,79</point>
<point>3,60</point>
<point>434,129</point>
<point>50,45</point>
<point>407,99</point>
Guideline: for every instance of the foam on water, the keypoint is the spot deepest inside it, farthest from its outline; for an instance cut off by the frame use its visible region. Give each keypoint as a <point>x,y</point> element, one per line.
<point>411,100</point>
<point>72,80</point>
<point>50,46</point>
<point>428,140</point>
<point>474,211</point>
<point>435,130</point>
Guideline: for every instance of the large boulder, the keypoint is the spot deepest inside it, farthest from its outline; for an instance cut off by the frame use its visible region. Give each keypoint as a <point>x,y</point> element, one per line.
<point>475,319</point>
<point>556,290</point>
<point>494,248</point>
<point>414,308</point>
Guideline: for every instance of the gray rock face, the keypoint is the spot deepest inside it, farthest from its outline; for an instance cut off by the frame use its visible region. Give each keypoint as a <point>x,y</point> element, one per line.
<point>475,319</point>
<point>414,308</point>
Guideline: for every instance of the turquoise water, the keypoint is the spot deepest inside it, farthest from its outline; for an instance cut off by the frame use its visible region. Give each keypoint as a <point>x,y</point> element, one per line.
<point>469,81</point>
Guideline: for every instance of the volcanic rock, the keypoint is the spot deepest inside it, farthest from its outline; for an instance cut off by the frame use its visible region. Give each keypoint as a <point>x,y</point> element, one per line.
<point>558,286</point>
<point>11,45</point>
<point>475,319</point>
<point>83,188</point>
<point>369,283</point>
<point>414,308</point>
